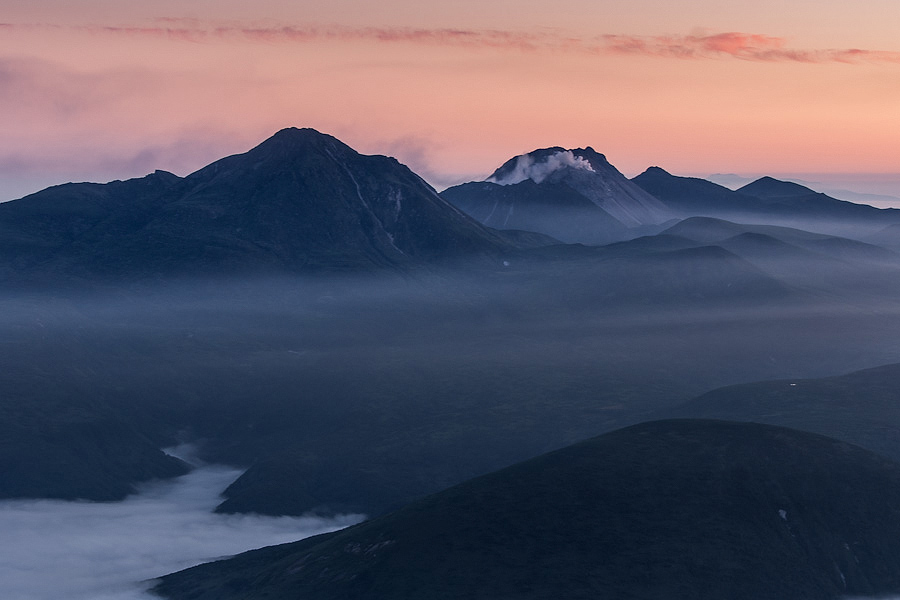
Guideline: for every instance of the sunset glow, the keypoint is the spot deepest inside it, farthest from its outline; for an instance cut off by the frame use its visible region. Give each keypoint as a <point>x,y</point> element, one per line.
<point>107,91</point>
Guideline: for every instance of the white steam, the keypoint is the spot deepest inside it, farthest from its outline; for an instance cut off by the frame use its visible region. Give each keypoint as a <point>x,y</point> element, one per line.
<point>527,168</point>
<point>103,551</point>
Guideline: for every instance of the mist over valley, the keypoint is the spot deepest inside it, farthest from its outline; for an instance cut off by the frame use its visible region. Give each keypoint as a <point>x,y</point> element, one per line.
<point>354,342</point>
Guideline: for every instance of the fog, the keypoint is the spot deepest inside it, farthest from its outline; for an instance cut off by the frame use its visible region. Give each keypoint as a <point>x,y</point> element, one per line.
<point>387,388</point>
<point>359,394</point>
<point>108,551</point>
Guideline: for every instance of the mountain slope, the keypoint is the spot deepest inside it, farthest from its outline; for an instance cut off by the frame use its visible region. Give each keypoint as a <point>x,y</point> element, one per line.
<point>690,196</point>
<point>793,199</point>
<point>765,201</point>
<point>554,209</point>
<point>300,201</point>
<point>590,174</point>
<point>573,195</point>
<point>670,509</point>
<point>52,223</point>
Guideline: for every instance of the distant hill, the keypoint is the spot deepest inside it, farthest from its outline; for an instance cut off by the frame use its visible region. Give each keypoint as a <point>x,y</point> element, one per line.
<point>812,261</point>
<point>690,196</point>
<point>775,189</point>
<point>669,509</point>
<point>859,407</point>
<point>765,201</point>
<point>709,230</point>
<point>888,237</point>
<point>301,201</point>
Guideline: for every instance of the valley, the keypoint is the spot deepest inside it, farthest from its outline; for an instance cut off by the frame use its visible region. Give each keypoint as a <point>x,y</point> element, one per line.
<point>355,342</point>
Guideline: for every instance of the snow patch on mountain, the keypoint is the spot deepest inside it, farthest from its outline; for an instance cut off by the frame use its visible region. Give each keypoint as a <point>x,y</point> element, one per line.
<point>527,168</point>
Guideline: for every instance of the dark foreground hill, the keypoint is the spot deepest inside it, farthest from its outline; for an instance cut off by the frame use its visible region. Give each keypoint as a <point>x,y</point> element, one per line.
<point>669,509</point>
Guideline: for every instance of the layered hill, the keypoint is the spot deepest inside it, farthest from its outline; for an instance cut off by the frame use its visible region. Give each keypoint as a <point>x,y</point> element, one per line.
<point>669,509</point>
<point>691,196</point>
<point>765,201</point>
<point>578,196</point>
<point>823,264</point>
<point>301,201</point>
<point>573,195</point>
<point>860,407</point>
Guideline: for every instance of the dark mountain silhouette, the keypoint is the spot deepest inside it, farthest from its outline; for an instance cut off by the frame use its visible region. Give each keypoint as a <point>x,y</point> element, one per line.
<point>668,509</point>
<point>765,201</point>
<point>55,223</point>
<point>691,196</point>
<point>301,201</point>
<point>572,195</point>
<point>775,189</point>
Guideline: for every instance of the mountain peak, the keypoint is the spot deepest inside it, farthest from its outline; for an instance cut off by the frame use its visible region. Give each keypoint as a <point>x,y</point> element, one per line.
<point>655,172</point>
<point>579,177</point>
<point>292,139</point>
<point>539,164</point>
<point>301,201</point>
<point>299,133</point>
<point>769,187</point>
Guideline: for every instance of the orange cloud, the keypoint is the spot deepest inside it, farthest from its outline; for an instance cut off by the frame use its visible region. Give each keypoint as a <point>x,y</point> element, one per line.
<point>736,45</point>
<point>194,31</point>
<point>744,46</point>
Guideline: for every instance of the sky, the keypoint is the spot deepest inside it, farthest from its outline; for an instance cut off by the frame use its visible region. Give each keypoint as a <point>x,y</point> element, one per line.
<point>95,90</point>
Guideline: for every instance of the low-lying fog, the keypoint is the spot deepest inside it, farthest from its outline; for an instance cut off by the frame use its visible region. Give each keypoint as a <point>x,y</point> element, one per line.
<point>390,387</point>
<point>107,551</point>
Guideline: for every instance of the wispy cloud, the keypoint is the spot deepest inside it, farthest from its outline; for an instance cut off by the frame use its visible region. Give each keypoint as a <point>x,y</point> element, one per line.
<point>193,31</point>
<point>704,46</point>
<point>744,46</point>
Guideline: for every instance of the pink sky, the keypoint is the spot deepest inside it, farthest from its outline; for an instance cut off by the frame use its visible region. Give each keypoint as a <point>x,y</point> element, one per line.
<point>106,90</point>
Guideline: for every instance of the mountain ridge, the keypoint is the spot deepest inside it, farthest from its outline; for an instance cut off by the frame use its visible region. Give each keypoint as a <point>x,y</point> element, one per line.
<point>298,201</point>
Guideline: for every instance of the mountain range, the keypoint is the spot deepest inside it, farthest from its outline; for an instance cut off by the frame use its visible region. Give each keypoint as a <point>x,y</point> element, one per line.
<point>576,196</point>
<point>765,201</point>
<point>304,202</point>
<point>301,201</point>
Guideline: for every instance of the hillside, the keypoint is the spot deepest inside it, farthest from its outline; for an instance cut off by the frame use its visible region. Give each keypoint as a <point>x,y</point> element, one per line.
<point>669,509</point>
